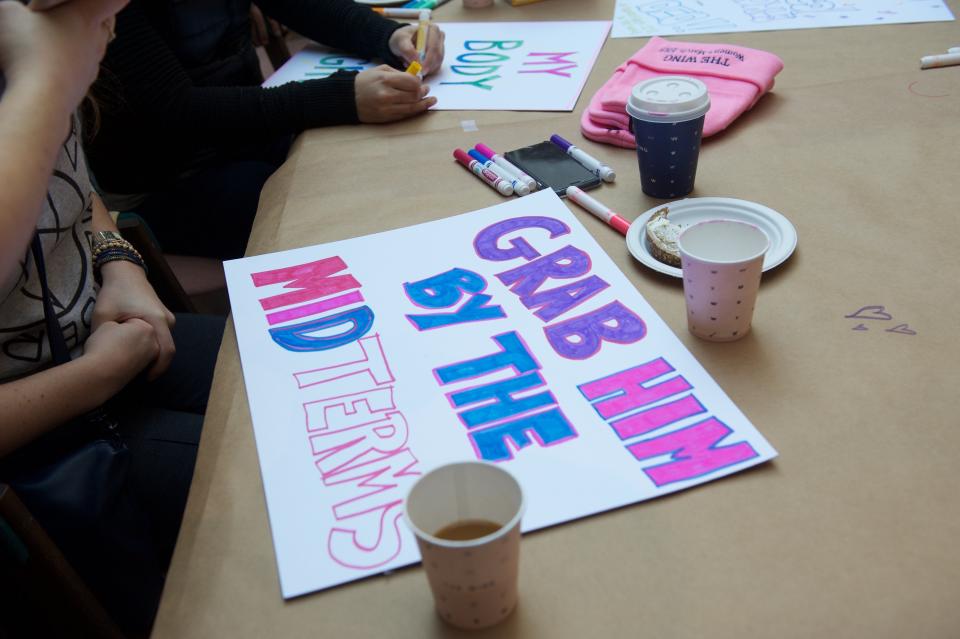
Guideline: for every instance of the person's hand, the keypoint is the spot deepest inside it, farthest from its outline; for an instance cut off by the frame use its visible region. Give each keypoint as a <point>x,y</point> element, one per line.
<point>384,94</point>
<point>261,27</point>
<point>126,295</point>
<point>122,349</point>
<point>60,47</point>
<point>403,44</point>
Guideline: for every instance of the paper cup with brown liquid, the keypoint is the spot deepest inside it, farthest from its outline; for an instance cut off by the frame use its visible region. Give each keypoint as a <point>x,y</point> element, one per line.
<point>466,517</point>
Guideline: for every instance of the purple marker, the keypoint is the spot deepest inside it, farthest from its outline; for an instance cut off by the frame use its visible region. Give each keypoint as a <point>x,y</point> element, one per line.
<point>519,187</point>
<point>503,163</point>
<point>589,162</point>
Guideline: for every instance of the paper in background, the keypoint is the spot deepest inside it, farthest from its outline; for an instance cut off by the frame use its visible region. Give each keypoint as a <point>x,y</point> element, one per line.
<point>642,18</point>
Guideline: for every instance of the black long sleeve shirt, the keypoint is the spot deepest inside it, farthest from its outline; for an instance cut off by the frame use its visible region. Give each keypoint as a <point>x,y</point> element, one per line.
<point>181,80</point>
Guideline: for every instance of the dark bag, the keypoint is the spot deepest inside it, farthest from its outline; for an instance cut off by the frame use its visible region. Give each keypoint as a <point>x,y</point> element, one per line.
<point>79,468</point>
<point>74,481</point>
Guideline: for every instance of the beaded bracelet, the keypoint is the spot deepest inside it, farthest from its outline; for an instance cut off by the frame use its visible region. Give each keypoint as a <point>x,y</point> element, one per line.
<point>114,244</point>
<point>114,252</point>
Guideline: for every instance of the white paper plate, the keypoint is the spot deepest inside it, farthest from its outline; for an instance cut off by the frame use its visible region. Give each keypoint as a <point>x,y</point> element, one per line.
<point>783,237</point>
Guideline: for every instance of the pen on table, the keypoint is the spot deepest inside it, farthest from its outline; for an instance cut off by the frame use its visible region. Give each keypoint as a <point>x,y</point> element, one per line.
<point>519,187</point>
<point>414,69</point>
<point>487,176</point>
<point>589,162</point>
<point>942,60</point>
<point>501,161</point>
<point>577,195</point>
<point>412,14</point>
<point>422,34</point>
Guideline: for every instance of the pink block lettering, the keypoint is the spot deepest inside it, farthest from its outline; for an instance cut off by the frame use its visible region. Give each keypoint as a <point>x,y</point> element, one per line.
<point>657,417</point>
<point>375,540</point>
<point>278,317</point>
<point>628,390</point>
<point>313,279</point>
<point>381,476</point>
<point>693,452</point>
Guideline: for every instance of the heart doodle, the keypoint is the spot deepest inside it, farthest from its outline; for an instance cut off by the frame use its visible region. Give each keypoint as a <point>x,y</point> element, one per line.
<point>871,313</point>
<point>859,327</point>
<point>903,329</point>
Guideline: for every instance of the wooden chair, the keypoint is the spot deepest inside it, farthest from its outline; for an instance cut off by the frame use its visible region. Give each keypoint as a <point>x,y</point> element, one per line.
<point>40,594</point>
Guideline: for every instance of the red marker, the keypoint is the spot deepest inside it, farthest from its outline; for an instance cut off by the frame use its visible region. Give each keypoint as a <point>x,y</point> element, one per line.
<point>577,195</point>
<point>491,178</point>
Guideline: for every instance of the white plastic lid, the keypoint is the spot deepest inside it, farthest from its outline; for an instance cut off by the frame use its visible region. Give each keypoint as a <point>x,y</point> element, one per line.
<point>669,98</point>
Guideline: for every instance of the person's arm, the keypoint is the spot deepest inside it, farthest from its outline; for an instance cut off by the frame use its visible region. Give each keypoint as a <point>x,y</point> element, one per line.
<point>351,27</point>
<point>157,88</point>
<point>113,355</point>
<point>126,294</point>
<point>40,92</point>
<point>342,24</point>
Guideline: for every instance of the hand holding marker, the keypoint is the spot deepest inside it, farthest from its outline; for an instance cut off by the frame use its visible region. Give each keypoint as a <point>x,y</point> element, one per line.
<point>477,169</point>
<point>589,162</point>
<point>510,168</point>
<point>486,162</point>
<point>577,195</point>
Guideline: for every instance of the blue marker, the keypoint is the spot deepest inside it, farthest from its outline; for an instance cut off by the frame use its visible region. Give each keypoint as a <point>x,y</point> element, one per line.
<point>520,188</point>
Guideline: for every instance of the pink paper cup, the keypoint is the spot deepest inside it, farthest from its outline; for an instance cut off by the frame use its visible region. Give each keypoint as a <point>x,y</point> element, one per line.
<point>473,581</point>
<point>722,261</point>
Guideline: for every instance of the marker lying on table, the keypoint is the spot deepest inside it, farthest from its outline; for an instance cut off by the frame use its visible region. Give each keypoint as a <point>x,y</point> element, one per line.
<point>576,194</point>
<point>589,162</point>
<point>412,13</point>
<point>942,60</point>
<point>502,162</point>
<point>519,187</point>
<point>489,177</point>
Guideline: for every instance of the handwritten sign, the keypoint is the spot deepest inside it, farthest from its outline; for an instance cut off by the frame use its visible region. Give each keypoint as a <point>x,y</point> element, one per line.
<point>506,335</point>
<point>642,18</point>
<point>522,66</point>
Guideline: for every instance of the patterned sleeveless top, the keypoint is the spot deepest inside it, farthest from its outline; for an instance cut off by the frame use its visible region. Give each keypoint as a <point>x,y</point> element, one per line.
<point>65,231</point>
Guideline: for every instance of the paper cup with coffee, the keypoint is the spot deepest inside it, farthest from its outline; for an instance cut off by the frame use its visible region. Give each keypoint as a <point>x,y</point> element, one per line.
<point>466,518</point>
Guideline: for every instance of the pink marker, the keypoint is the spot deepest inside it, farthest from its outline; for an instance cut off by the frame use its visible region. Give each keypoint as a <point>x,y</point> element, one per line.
<point>607,215</point>
<point>511,168</point>
<point>491,178</point>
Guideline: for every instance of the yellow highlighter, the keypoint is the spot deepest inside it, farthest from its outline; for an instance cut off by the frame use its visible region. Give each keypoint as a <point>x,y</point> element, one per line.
<point>422,34</point>
<point>415,68</point>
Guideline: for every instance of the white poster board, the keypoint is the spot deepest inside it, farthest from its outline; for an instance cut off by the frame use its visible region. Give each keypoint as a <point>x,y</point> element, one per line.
<point>643,18</point>
<point>519,66</point>
<point>315,62</point>
<point>505,334</point>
